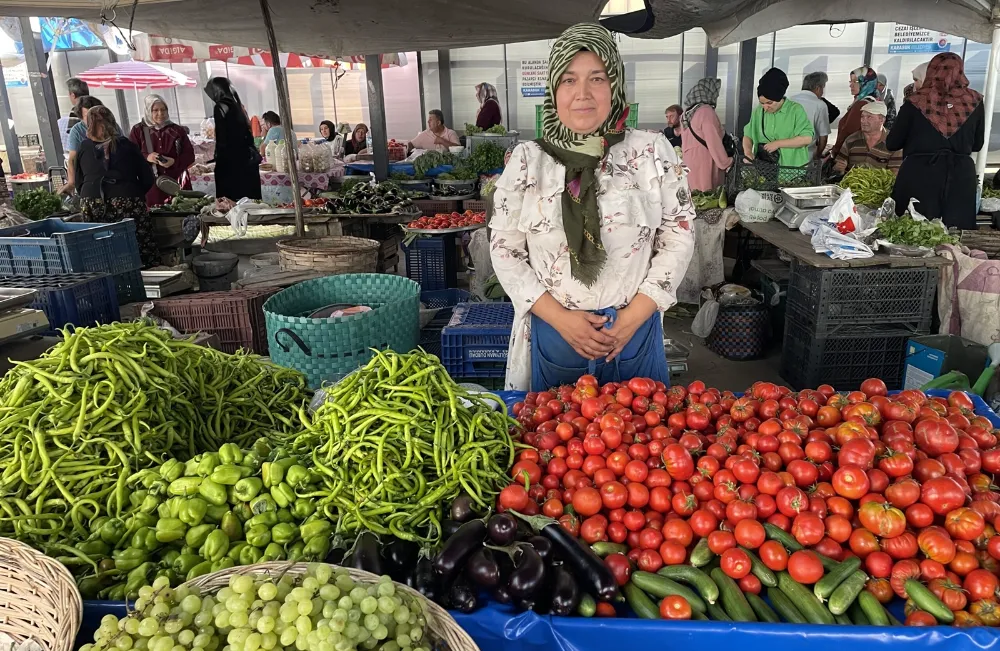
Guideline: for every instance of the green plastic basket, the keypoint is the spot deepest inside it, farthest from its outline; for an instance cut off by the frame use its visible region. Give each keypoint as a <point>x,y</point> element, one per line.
<point>325,350</point>
<point>632,121</point>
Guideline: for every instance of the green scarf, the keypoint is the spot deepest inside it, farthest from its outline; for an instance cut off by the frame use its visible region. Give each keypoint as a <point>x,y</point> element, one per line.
<point>582,154</point>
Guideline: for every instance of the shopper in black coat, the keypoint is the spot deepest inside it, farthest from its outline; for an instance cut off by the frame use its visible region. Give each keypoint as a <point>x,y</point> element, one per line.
<point>237,171</point>
<point>938,128</point>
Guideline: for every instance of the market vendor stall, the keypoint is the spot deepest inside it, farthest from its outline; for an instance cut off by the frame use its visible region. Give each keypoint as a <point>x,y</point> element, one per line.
<point>275,187</point>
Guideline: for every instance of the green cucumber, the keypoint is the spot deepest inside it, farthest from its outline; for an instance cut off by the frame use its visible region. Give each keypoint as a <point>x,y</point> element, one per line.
<point>847,592</point>
<point>807,603</point>
<point>701,617</point>
<point>892,618</point>
<point>693,577</point>
<point>785,607</point>
<point>701,555</point>
<point>660,587</point>
<point>857,613</point>
<point>825,586</point>
<point>842,620</point>
<point>763,611</point>
<point>872,609</point>
<point>774,532</point>
<point>587,607</point>
<point>605,548</point>
<point>733,601</point>
<point>717,614</point>
<point>640,604</point>
<point>759,570</point>
<point>926,600</point>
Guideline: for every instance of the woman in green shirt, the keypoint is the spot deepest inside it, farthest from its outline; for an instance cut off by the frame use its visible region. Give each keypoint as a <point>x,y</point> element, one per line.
<point>777,125</point>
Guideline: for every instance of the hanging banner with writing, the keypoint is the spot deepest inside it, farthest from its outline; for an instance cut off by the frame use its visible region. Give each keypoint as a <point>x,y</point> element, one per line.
<point>910,39</point>
<point>534,76</point>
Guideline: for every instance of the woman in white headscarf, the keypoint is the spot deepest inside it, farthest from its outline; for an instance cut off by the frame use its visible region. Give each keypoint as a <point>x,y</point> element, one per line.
<point>164,145</point>
<point>919,73</point>
<point>489,106</point>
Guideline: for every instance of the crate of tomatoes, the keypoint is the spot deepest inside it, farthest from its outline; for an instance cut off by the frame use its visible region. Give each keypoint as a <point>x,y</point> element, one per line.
<point>816,507</point>
<point>448,221</point>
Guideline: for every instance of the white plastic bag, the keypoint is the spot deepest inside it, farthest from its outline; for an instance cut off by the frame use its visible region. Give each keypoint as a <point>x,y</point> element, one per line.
<point>838,246</point>
<point>704,321</point>
<point>237,216</point>
<point>754,206</point>
<point>842,210</point>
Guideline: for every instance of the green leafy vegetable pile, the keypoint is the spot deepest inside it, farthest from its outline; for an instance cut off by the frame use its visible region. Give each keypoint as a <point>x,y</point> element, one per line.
<point>870,187</point>
<point>497,129</point>
<point>37,204</point>
<point>486,157</point>
<point>906,230</point>
<point>461,172</point>
<point>471,129</point>
<point>430,160</point>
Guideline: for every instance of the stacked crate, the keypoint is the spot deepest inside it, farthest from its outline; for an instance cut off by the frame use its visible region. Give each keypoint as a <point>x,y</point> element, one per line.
<point>846,325</point>
<point>45,254</point>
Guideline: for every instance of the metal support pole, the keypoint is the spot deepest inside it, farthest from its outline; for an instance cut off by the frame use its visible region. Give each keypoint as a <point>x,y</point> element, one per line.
<point>506,91</point>
<point>120,98</point>
<point>989,101</point>
<point>376,110</point>
<point>745,94</point>
<point>711,61</point>
<point>869,43</point>
<point>444,75</point>
<point>286,109</point>
<point>41,91</point>
<point>14,165</point>
<point>420,84</point>
<point>680,76</point>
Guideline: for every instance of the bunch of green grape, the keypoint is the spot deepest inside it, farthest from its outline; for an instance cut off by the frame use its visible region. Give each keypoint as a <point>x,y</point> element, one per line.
<point>323,610</point>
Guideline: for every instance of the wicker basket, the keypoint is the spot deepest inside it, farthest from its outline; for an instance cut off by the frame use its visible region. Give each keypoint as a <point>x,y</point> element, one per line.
<point>440,624</point>
<point>333,255</point>
<point>38,598</point>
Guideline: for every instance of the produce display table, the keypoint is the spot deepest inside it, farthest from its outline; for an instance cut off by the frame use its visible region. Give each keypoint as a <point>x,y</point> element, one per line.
<point>798,246</point>
<point>274,186</point>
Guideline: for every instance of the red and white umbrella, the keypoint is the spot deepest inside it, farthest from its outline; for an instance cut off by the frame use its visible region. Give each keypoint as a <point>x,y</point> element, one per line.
<point>135,75</point>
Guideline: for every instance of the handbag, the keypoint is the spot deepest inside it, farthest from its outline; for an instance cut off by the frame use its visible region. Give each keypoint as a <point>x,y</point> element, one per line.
<point>166,184</point>
<point>728,142</point>
<point>762,154</point>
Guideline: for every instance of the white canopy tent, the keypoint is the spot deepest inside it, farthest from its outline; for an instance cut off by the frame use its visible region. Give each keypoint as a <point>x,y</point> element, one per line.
<point>344,27</point>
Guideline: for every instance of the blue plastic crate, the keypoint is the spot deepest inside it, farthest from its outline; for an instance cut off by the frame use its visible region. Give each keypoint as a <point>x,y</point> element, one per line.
<point>475,341</point>
<point>130,287</point>
<point>52,246</point>
<point>433,262</point>
<point>71,299</point>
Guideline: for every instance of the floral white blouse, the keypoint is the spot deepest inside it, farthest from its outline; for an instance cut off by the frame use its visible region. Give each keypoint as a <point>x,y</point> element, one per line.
<point>646,215</point>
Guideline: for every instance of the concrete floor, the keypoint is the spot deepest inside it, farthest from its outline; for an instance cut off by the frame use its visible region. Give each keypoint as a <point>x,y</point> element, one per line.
<point>716,371</point>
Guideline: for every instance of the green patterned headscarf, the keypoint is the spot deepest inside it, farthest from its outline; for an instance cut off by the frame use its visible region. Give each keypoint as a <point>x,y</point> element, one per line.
<point>581,154</point>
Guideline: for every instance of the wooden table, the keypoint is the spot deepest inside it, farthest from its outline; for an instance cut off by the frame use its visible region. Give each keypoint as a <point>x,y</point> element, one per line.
<point>799,247</point>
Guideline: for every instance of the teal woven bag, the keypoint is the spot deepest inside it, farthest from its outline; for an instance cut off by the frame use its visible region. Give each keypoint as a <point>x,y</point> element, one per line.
<point>325,350</point>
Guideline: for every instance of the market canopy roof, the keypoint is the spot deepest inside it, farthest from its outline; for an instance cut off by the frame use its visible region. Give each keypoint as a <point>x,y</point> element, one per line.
<point>334,28</point>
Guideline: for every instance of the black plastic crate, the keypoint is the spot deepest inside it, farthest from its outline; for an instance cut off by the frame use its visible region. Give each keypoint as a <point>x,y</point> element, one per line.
<point>761,176</point>
<point>831,300</point>
<point>845,360</point>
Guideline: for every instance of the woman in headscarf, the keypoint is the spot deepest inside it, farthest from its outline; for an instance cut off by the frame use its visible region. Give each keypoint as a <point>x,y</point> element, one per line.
<point>919,73</point>
<point>164,145</point>
<point>358,142</point>
<point>779,130</point>
<point>701,137</point>
<point>938,128</point>
<point>864,87</point>
<point>489,106</point>
<point>327,130</point>
<point>237,161</point>
<point>112,178</point>
<point>591,228</point>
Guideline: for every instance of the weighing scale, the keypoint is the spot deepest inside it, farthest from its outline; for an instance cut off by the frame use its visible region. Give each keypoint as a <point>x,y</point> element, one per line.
<point>677,356</point>
<point>799,202</point>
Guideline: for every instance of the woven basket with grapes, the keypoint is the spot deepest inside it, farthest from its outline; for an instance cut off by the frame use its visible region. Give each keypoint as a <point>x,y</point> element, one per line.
<point>282,607</point>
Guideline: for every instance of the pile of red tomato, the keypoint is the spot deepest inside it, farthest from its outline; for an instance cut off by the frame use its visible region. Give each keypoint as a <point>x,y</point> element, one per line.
<point>442,221</point>
<point>904,482</point>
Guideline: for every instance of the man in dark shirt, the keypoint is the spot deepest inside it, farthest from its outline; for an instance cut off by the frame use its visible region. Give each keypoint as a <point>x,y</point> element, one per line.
<point>672,132</point>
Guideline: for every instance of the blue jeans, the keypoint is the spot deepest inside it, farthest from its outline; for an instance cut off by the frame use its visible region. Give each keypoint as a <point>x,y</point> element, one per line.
<point>554,362</point>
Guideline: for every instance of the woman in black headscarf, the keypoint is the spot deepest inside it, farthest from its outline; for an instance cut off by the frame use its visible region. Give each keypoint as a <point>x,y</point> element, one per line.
<point>237,172</point>
<point>327,130</point>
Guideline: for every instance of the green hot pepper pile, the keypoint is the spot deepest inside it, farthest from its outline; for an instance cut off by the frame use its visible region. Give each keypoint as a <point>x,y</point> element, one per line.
<point>217,510</point>
<point>109,401</point>
<point>397,440</point>
<point>870,186</point>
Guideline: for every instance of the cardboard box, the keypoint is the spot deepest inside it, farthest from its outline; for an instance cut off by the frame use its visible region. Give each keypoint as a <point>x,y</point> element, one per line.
<point>14,322</point>
<point>932,356</point>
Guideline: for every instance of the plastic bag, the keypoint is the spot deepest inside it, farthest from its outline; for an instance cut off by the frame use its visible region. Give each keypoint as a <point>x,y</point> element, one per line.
<point>237,216</point>
<point>837,245</point>
<point>208,128</point>
<point>704,321</point>
<point>754,206</point>
<point>10,217</point>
